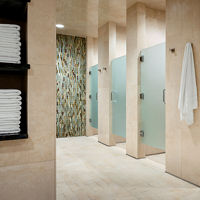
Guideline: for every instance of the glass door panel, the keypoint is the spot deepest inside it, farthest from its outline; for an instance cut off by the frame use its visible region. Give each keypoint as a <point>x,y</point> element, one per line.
<point>119,96</point>
<point>153,96</point>
<point>94,96</point>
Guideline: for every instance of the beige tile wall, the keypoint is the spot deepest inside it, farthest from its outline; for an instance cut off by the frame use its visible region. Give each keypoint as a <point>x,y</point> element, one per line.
<point>106,53</point>
<point>92,59</point>
<point>119,34</point>
<point>27,167</point>
<point>145,28</point>
<point>120,41</point>
<point>182,142</point>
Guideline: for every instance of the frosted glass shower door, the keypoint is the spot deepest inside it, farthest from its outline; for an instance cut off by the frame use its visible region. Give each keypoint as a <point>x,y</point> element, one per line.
<point>94,96</point>
<point>153,96</point>
<point>119,96</point>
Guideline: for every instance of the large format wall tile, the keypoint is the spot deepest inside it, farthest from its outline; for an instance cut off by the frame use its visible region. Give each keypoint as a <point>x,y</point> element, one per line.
<point>31,181</point>
<point>42,32</point>
<point>92,59</point>
<point>182,141</point>
<point>71,86</point>
<point>145,28</point>
<point>106,53</point>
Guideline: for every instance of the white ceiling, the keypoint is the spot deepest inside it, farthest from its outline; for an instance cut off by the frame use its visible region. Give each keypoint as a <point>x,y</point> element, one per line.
<point>83,17</point>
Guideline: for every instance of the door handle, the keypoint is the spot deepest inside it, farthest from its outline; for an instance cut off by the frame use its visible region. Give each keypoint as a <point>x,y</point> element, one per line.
<point>164,97</point>
<point>112,95</point>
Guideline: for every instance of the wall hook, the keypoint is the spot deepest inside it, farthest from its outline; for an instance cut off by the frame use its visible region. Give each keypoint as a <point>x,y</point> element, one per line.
<point>104,68</point>
<point>172,50</point>
<point>99,70</point>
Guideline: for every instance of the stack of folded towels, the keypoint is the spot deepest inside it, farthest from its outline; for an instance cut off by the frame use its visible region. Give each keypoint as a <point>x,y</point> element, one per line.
<point>10,45</point>
<point>10,111</point>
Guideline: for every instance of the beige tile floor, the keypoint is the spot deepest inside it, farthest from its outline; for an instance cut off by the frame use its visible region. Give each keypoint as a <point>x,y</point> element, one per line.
<point>159,158</point>
<point>88,170</point>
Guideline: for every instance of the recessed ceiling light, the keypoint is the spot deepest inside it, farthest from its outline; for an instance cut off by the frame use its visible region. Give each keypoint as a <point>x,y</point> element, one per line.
<point>59,25</point>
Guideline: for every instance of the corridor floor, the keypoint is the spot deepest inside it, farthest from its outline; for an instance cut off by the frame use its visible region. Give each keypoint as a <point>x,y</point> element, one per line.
<point>88,170</point>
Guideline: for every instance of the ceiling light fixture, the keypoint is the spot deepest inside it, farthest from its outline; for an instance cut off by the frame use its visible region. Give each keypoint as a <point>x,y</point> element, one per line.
<point>59,25</point>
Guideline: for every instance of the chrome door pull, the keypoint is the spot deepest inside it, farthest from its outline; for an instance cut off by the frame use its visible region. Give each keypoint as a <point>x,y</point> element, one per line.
<point>164,96</point>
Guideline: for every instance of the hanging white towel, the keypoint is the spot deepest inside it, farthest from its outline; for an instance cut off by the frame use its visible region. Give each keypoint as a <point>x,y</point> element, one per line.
<point>188,101</point>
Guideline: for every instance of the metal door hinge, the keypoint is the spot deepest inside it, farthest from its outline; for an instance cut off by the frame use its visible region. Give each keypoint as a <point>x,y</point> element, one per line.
<point>141,133</point>
<point>142,96</point>
<point>141,58</point>
<point>90,72</point>
<point>90,120</point>
<point>90,96</point>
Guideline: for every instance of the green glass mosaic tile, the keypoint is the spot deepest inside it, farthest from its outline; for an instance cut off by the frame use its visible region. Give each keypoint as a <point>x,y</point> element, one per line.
<point>71,86</point>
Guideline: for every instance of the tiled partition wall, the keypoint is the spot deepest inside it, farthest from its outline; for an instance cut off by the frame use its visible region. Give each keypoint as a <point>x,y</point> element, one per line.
<point>92,59</point>
<point>145,28</point>
<point>27,167</point>
<point>71,86</point>
<point>106,53</point>
<point>182,141</point>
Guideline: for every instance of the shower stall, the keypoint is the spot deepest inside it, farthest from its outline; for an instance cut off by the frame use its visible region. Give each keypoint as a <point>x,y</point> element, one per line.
<point>118,96</point>
<point>152,96</point>
<point>94,96</point>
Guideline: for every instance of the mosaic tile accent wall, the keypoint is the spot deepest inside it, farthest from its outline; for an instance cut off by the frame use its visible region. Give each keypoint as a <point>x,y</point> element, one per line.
<point>71,86</point>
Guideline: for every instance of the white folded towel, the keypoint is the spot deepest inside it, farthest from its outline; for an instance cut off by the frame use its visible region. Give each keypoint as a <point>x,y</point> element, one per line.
<point>10,109</point>
<point>14,97</point>
<point>188,100</point>
<point>10,54</point>
<point>10,35</point>
<point>9,49</point>
<point>11,122</point>
<point>9,102</point>
<point>13,115</point>
<point>10,26</point>
<point>10,114</point>
<point>9,39</point>
<point>8,45</point>
<point>9,127</point>
<point>11,43</point>
<point>12,118</point>
<point>10,106</point>
<point>10,60</point>
<point>10,132</point>
<point>10,92</point>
